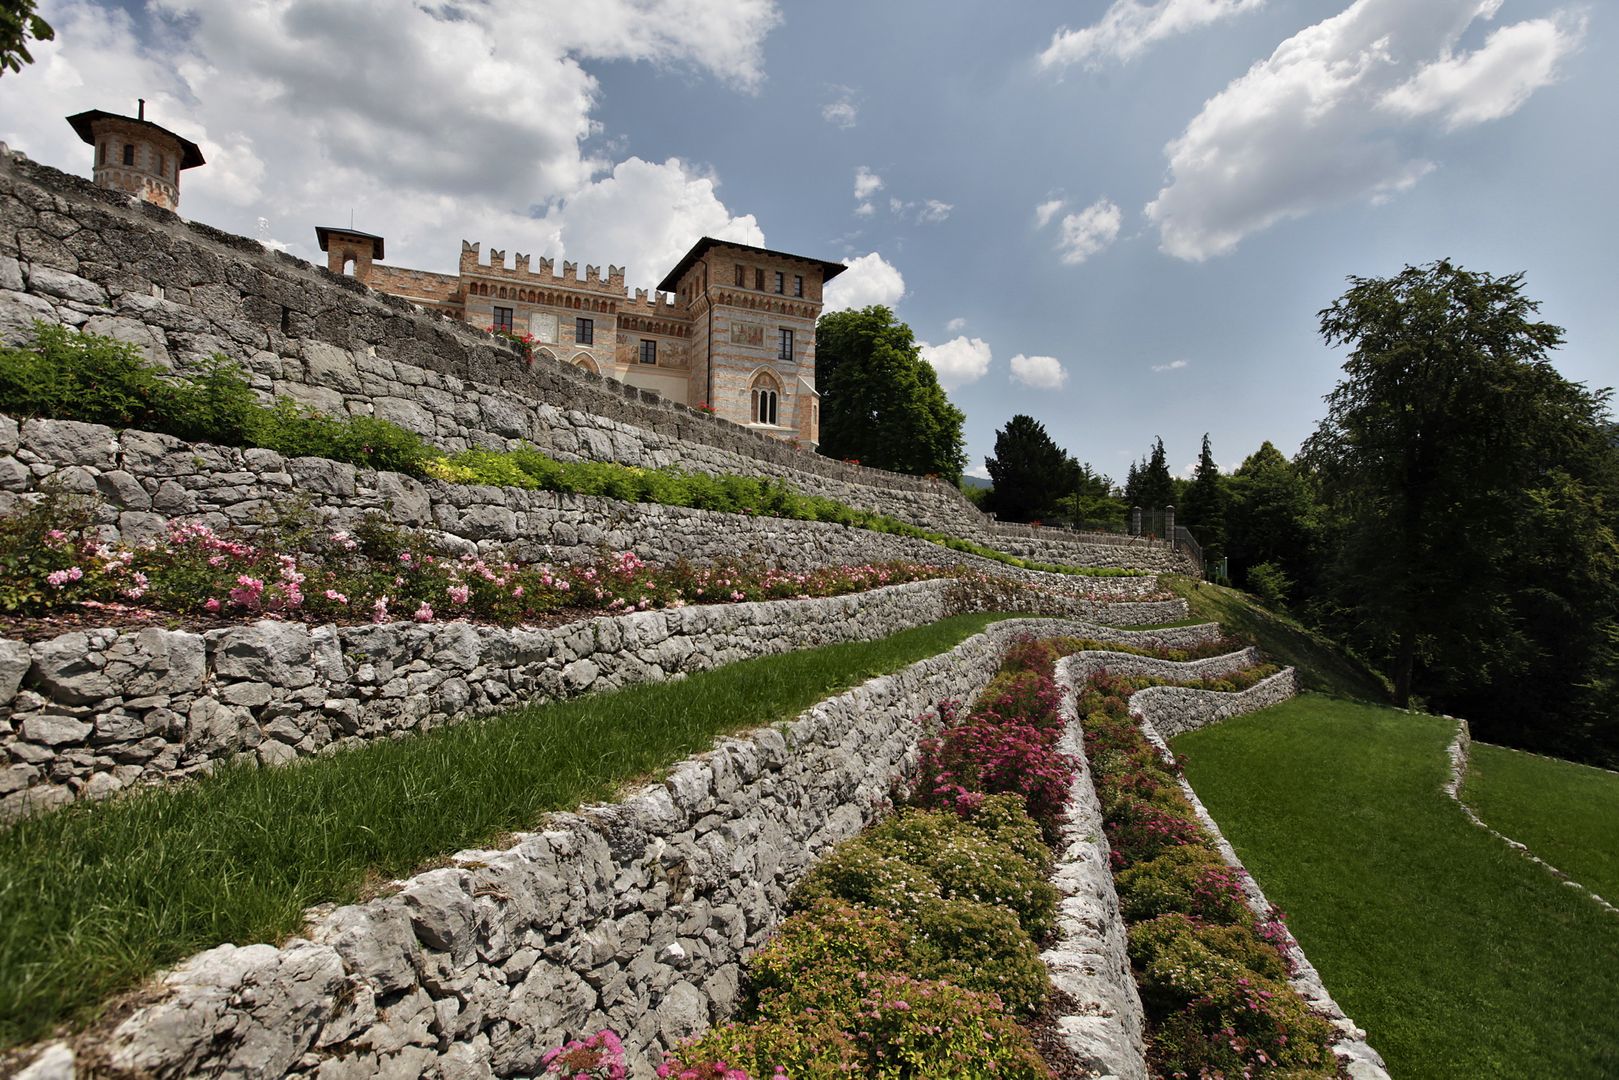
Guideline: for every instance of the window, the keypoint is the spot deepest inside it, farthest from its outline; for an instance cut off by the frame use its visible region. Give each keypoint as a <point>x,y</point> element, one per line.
<point>741,276</point>
<point>798,285</point>
<point>101,153</point>
<point>129,153</point>
<point>162,166</point>
<point>759,279</point>
<point>503,319</point>
<point>765,391</point>
<point>649,351</point>
<point>781,282</point>
<point>786,352</point>
<point>584,331</point>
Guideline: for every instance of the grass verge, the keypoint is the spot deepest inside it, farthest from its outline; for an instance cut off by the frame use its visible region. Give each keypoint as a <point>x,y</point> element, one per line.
<point>97,897</point>
<point>1459,957</point>
<point>1324,666</point>
<point>1564,812</point>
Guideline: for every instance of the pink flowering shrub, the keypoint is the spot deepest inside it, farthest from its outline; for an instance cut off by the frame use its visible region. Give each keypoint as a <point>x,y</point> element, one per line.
<point>600,1057</point>
<point>986,755</point>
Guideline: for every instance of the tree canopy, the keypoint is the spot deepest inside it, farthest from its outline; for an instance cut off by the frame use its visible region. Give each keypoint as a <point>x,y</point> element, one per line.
<point>1204,505</point>
<point>1149,484</point>
<point>18,23</point>
<point>1472,494</point>
<point>881,403</point>
<point>1029,470</point>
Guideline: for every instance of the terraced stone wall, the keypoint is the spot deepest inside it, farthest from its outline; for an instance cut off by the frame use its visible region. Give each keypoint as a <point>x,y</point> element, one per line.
<point>89,713</point>
<point>143,479</point>
<point>634,916</point>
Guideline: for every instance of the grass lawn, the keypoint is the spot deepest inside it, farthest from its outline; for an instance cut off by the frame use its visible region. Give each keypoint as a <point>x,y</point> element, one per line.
<point>1567,814</point>
<point>1324,666</point>
<point>1458,956</point>
<point>93,898</point>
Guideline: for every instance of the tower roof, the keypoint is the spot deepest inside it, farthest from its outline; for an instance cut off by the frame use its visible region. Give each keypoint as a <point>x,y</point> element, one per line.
<point>84,123</point>
<point>829,270</point>
<point>324,232</point>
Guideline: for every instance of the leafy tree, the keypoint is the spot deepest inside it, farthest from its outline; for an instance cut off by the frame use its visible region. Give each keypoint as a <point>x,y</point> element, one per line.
<point>1475,490</point>
<point>1092,500</point>
<point>17,24</point>
<point>1204,505</point>
<point>881,403</point>
<point>1272,519</point>
<point>1031,472</point>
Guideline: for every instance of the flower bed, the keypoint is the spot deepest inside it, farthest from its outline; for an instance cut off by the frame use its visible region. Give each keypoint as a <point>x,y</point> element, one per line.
<point>52,560</point>
<point>1213,977</point>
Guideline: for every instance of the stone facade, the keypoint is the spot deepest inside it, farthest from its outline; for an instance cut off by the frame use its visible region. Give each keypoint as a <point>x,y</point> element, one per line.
<point>634,916</point>
<point>136,157</point>
<point>732,327</point>
<point>87,714</point>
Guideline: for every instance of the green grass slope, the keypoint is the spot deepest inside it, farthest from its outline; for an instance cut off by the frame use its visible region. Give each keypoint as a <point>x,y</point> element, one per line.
<point>97,896</point>
<point>1324,666</point>
<point>1568,814</point>
<point>1460,957</point>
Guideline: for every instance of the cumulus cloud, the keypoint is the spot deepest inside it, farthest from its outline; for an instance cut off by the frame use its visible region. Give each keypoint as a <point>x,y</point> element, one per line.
<point>866,183</point>
<point>865,209</point>
<point>959,361</point>
<point>1129,27</point>
<point>933,211</point>
<point>1045,212</point>
<point>300,125</point>
<point>1088,232</point>
<point>955,325</point>
<point>1040,372</point>
<point>1331,116</point>
<point>841,111</point>
<point>1173,365</point>
<point>870,279</point>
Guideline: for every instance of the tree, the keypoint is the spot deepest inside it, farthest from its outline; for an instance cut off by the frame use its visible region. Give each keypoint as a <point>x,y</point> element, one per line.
<point>17,24</point>
<point>1273,520</point>
<point>1205,505</point>
<point>1091,501</point>
<point>1474,492</point>
<point>881,403</point>
<point>1150,486</point>
<point>1030,471</point>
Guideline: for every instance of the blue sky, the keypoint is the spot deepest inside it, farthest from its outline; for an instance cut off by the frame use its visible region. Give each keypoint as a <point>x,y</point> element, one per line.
<point>1120,218</point>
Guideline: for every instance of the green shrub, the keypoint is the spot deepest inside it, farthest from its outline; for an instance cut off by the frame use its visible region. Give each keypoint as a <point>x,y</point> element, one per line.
<point>1005,821</point>
<point>1192,880</point>
<point>807,1047</point>
<point>813,958</point>
<point>860,872</point>
<point>1169,937</point>
<point>979,947</point>
<point>966,864</point>
<point>911,1028</point>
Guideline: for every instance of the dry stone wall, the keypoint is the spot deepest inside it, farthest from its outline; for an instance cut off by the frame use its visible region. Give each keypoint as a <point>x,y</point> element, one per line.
<point>143,479</point>
<point>72,253</point>
<point>1172,710</point>
<point>86,714</point>
<point>634,916</point>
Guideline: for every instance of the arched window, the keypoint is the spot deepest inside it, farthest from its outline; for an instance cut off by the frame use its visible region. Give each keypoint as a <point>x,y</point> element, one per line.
<point>766,392</point>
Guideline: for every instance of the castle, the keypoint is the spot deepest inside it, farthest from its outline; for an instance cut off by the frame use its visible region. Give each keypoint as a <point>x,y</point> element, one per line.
<point>731,329</point>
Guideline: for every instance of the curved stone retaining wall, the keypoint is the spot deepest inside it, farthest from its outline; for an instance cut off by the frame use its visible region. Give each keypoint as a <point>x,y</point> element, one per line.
<point>634,916</point>
<point>89,713</point>
<point>1171,710</point>
<point>142,479</point>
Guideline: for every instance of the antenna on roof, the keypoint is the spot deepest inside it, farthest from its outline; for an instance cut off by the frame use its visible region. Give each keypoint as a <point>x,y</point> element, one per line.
<point>141,112</point>
<point>351,219</point>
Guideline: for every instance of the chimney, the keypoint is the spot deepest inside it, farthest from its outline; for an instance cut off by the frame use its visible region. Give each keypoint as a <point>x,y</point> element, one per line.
<point>141,113</point>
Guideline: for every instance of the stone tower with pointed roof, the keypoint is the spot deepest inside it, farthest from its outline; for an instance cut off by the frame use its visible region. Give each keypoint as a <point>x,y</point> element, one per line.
<point>136,156</point>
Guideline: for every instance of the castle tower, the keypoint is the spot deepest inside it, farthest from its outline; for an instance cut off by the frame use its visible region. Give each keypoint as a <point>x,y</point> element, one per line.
<point>345,246</point>
<point>136,156</point>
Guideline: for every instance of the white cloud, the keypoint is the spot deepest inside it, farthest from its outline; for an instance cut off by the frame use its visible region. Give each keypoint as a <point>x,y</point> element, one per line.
<point>1045,212</point>
<point>1173,365</point>
<point>644,216</point>
<point>933,211</point>
<point>897,206</point>
<point>841,111</point>
<point>1040,372</point>
<point>1493,81</point>
<point>1330,116</point>
<point>955,325</point>
<point>981,471</point>
<point>866,183</point>
<point>865,209</point>
<point>870,279</point>
<point>1088,232</point>
<point>300,124</point>
<point>1129,27</point>
<point>959,361</point>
